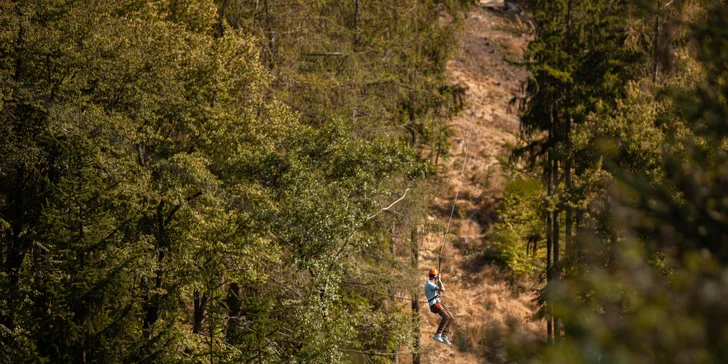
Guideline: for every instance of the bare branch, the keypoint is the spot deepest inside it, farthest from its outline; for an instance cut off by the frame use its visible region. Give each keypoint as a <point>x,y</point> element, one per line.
<point>378,353</point>
<point>330,54</point>
<point>369,218</point>
<point>387,208</point>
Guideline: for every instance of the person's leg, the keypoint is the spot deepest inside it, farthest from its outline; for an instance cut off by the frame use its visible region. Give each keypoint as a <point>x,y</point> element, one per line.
<point>442,329</point>
<point>445,324</point>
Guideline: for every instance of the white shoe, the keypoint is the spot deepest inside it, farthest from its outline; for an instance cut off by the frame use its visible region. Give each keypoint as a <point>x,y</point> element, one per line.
<point>445,340</point>
<point>439,338</point>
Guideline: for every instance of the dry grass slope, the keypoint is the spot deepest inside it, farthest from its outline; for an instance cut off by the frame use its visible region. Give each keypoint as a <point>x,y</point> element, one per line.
<point>485,301</point>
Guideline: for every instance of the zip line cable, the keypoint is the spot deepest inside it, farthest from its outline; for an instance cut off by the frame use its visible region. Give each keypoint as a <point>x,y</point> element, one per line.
<point>457,191</point>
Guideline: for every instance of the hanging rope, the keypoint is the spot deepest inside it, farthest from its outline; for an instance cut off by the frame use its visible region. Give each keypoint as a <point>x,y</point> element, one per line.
<point>457,191</point>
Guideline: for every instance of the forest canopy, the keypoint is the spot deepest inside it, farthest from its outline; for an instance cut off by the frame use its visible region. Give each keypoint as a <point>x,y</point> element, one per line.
<point>200,180</point>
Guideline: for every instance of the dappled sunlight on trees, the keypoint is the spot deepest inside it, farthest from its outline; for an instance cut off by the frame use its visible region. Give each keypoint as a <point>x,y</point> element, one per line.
<point>644,277</point>
<point>189,181</point>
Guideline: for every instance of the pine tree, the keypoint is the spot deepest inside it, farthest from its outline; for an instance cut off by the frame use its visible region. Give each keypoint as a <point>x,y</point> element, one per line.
<point>582,66</point>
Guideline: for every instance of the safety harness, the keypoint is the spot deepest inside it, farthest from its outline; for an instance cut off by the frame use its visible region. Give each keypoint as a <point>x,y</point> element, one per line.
<point>434,308</point>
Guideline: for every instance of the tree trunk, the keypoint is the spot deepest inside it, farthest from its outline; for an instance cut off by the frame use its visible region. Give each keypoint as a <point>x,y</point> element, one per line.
<point>271,35</point>
<point>563,131</point>
<point>234,304</point>
<point>655,69</point>
<point>219,30</point>
<point>357,9</point>
<point>415,300</point>
<point>567,132</point>
<point>235,308</point>
<point>152,304</point>
<point>569,219</point>
<point>200,304</point>
<point>555,266</point>
<point>549,246</point>
<point>579,221</point>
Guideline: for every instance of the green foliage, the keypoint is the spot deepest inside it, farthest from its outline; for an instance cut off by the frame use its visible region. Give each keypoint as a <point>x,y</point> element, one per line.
<point>646,279</point>
<point>517,236</point>
<point>377,64</point>
<point>188,181</point>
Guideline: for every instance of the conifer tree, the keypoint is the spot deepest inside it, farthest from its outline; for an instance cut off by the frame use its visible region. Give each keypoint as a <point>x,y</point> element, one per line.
<point>582,66</point>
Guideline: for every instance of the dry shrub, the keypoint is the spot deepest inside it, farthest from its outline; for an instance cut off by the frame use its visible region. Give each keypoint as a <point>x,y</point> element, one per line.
<point>513,322</point>
<point>467,339</point>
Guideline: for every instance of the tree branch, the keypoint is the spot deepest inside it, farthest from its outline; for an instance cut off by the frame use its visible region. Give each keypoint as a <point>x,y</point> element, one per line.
<point>378,353</point>
<point>329,54</point>
<point>369,218</point>
<point>387,208</point>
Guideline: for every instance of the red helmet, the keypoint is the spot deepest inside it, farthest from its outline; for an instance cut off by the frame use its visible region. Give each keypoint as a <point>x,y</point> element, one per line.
<point>433,272</point>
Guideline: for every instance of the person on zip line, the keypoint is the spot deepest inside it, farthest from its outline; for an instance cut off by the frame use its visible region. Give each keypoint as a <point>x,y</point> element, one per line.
<point>433,288</point>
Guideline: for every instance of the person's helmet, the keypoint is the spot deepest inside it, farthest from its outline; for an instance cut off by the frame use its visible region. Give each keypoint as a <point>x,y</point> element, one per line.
<point>433,272</point>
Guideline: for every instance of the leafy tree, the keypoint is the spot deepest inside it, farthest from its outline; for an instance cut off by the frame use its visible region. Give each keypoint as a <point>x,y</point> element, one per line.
<point>645,281</point>
<point>175,189</point>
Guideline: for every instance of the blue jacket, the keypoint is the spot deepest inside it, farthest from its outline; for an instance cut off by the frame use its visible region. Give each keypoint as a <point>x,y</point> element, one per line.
<point>431,292</point>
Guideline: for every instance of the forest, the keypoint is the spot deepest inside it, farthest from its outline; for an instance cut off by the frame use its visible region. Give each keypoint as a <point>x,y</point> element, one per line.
<point>250,181</point>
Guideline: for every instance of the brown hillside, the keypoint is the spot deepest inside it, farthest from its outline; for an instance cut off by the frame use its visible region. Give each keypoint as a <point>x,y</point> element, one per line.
<point>484,303</point>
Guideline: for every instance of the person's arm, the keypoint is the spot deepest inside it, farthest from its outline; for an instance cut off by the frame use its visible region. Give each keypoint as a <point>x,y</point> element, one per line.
<point>440,285</point>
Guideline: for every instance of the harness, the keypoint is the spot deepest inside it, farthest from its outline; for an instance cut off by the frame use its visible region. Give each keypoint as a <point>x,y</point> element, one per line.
<point>434,307</point>
<point>433,298</point>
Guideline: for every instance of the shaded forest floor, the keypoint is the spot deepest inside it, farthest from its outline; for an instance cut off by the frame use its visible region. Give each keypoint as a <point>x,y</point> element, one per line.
<point>485,299</point>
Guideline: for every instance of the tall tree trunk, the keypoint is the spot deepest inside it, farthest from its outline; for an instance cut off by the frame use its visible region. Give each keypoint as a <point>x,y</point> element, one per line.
<point>234,304</point>
<point>567,132</point>
<point>549,246</point>
<point>219,29</point>
<point>555,230</point>
<point>569,218</point>
<point>152,305</point>
<point>564,130</point>
<point>415,299</point>
<point>235,308</point>
<point>200,304</point>
<point>437,143</point>
<point>271,35</point>
<point>212,342</point>
<point>579,225</point>
<point>357,10</point>
<point>656,67</point>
